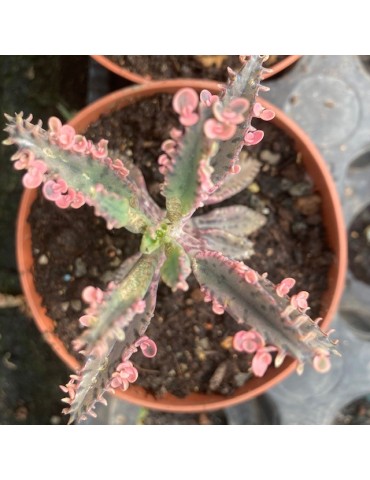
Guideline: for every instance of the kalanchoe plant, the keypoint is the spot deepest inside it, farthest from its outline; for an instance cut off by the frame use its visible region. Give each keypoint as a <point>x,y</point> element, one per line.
<point>202,164</point>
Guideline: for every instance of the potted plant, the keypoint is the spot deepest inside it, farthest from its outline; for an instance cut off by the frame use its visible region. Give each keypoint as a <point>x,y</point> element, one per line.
<point>140,68</point>
<point>73,170</point>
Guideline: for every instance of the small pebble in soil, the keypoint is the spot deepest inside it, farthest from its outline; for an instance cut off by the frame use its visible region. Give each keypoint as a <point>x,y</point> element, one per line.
<point>43,260</point>
<point>76,305</point>
<point>270,157</point>
<point>55,420</point>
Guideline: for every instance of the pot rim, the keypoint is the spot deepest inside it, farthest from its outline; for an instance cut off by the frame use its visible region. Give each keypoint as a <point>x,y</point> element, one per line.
<point>336,231</point>
<point>134,77</point>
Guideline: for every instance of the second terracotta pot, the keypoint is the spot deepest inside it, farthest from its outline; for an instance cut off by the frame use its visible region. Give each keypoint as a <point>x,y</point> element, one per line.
<point>137,78</point>
<point>336,236</point>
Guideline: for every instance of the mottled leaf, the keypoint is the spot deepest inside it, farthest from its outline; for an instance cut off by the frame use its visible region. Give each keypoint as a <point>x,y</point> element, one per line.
<point>235,183</point>
<point>176,268</point>
<point>253,301</point>
<point>94,379</point>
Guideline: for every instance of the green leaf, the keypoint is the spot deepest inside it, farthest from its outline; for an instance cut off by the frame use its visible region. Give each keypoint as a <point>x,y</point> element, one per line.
<point>182,184</point>
<point>176,268</point>
<point>115,198</point>
<point>229,236</point>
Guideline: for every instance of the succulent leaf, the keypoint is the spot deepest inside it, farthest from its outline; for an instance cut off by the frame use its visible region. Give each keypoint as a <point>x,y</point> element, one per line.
<point>253,301</point>
<point>119,305</point>
<point>96,376</point>
<point>233,184</point>
<point>230,235</point>
<point>244,84</point>
<point>176,267</point>
<point>183,179</point>
<point>59,155</point>
<point>199,162</point>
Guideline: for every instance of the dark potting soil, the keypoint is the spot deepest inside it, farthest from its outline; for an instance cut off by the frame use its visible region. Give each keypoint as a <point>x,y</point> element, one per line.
<point>152,417</point>
<point>359,246</point>
<point>73,249</point>
<point>157,67</point>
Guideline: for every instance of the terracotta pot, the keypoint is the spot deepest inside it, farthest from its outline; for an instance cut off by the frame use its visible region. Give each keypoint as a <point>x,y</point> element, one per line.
<point>136,78</point>
<point>314,165</point>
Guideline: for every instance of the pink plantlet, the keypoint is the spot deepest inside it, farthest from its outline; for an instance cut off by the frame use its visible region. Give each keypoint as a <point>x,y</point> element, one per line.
<point>89,147</point>
<point>251,277</point>
<point>222,89</point>
<point>163,160</point>
<point>207,295</point>
<point>296,322</point>
<point>253,137</point>
<point>64,201</point>
<point>240,268</point>
<point>263,88</point>
<point>285,286</point>
<point>147,346</point>
<point>175,134</point>
<point>125,374</point>
<point>87,320</point>
<point>299,301</point>
<point>207,99</point>
<point>261,360</point>
<point>128,352</point>
<point>231,73</point>
<point>235,169</point>
<point>92,295</point>
<point>24,158</point>
<point>279,359</point>
<point>165,164</point>
<point>232,113</point>
<point>184,102</point>
<point>69,388</point>
<point>53,190</point>
<point>55,126</point>
<point>205,172</point>
<point>78,344</point>
<point>78,200</point>
<point>66,137</point>
<point>92,413</point>
<point>217,307</point>
<point>80,144</point>
<point>35,174</point>
<point>215,130</point>
<point>117,166</point>
<point>169,147</point>
<point>321,362</point>
<point>248,341</point>
<point>139,306</point>
<point>100,150</point>
<point>264,113</point>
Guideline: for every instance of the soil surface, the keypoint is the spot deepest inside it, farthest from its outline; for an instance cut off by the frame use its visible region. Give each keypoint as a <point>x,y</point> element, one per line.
<point>359,246</point>
<point>152,417</point>
<point>73,249</point>
<point>192,66</point>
